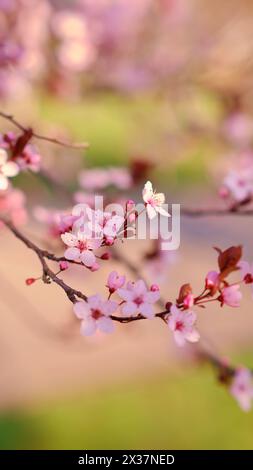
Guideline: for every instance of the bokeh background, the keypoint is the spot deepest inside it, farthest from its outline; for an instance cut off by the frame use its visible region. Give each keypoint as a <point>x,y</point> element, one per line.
<point>167,82</point>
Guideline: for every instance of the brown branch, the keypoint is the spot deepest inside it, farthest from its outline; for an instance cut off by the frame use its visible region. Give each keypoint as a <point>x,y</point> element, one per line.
<point>34,134</point>
<point>49,275</point>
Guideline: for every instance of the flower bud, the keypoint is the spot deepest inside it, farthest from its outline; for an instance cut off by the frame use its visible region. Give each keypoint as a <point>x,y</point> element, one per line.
<point>63,265</point>
<point>106,256</point>
<point>154,288</point>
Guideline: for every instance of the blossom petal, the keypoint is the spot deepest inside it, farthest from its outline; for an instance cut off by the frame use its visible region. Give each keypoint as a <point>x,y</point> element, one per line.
<point>140,288</point>
<point>151,211</point>
<point>162,211</point>
<point>72,254</point>
<point>88,258</point>
<point>109,307</point>
<point>88,327</point>
<point>159,198</point>
<point>179,338</point>
<point>192,336</point>
<point>151,297</point>
<point>147,191</point>
<point>81,309</point>
<point>125,294</point>
<point>69,239</point>
<point>129,308</point>
<point>146,310</point>
<point>105,325</point>
<point>95,301</point>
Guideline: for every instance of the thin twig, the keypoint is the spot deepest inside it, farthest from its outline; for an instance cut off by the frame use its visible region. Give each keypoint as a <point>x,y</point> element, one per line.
<point>53,140</point>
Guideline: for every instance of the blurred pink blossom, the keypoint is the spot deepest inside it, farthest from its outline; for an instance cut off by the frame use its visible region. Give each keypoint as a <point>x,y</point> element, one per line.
<point>242,388</point>
<point>182,323</point>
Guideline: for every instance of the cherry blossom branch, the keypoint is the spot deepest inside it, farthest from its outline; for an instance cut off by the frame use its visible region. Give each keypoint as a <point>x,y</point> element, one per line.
<point>32,133</point>
<point>237,379</point>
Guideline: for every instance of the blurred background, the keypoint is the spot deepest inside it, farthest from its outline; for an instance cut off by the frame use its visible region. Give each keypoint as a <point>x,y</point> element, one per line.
<point>162,88</point>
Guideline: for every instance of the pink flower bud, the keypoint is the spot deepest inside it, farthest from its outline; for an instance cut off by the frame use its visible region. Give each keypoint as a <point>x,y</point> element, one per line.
<point>30,281</point>
<point>154,288</point>
<point>106,256</point>
<point>63,265</point>
<point>115,281</point>
<point>188,300</point>
<point>109,241</point>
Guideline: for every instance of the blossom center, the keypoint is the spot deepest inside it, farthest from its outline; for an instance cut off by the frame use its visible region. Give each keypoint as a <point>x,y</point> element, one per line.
<point>138,301</point>
<point>82,245</point>
<point>179,325</point>
<point>96,314</point>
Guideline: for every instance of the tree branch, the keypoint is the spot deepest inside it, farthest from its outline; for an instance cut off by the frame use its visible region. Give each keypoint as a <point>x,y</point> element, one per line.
<point>34,134</point>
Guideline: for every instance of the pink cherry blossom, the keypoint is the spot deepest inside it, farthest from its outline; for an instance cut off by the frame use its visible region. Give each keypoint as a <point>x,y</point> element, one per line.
<point>238,127</point>
<point>242,388</point>
<point>182,323</point>
<point>80,248</point>
<point>115,281</point>
<point>8,169</point>
<point>63,265</point>
<point>138,299</point>
<point>153,201</point>
<point>95,314</point>
<point>212,280</point>
<point>231,295</point>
